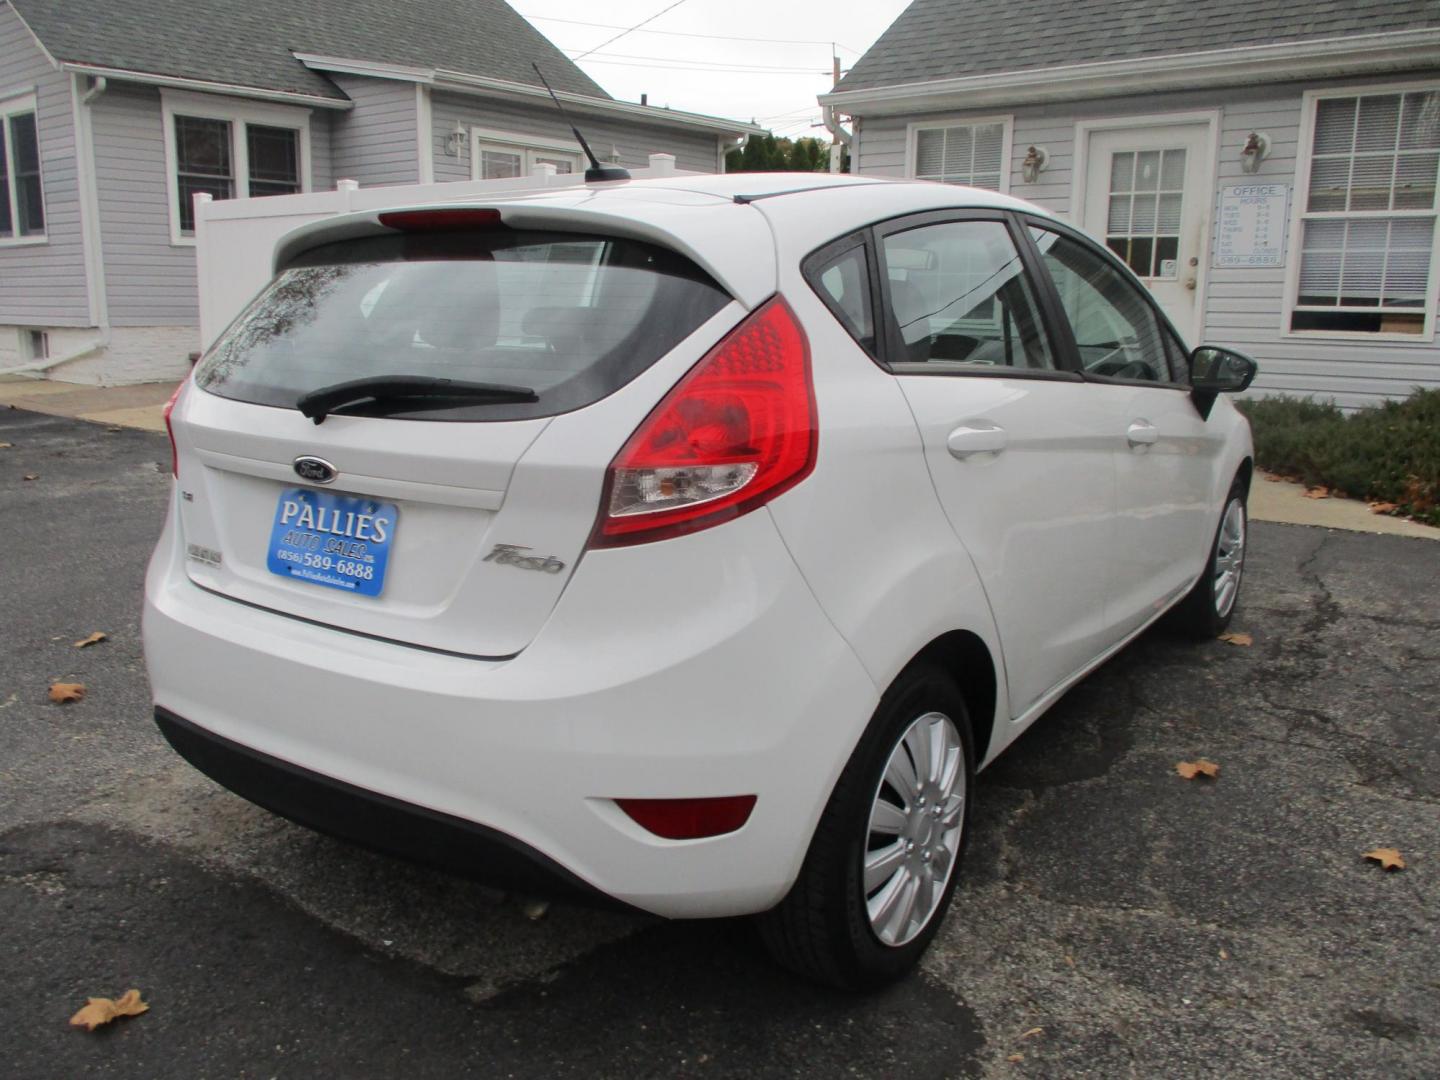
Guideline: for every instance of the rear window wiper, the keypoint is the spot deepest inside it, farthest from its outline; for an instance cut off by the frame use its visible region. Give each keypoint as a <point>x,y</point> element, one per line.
<point>426,391</point>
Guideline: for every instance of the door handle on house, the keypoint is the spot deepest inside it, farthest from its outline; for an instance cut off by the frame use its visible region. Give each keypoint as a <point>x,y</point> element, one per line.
<point>978,438</point>
<point>1142,433</point>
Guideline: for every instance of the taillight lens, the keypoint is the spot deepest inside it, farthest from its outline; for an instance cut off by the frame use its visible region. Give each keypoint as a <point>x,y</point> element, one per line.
<point>689,819</point>
<point>739,429</point>
<point>170,430</point>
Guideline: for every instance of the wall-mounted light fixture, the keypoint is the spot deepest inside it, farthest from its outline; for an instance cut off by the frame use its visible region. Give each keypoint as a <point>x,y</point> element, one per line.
<point>456,142</point>
<point>1255,150</point>
<point>1037,158</point>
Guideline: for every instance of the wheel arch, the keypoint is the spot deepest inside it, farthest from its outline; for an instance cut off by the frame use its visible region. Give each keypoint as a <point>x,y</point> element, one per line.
<point>965,657</point>
<point>1244,475</point>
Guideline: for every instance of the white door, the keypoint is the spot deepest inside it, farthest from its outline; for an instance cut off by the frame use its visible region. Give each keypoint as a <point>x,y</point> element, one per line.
<point>1147,196</point>
<point>1020,450</point>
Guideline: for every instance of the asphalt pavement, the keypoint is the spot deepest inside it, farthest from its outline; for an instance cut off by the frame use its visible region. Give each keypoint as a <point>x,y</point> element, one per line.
<point>1114,920</point>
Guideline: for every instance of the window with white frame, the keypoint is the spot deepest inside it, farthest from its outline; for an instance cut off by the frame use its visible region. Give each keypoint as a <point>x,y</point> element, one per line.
<point>500,156</point>
<point>1368,235</point>
<point>22,199</point>
<point>229,151</point>
<point>972,154</point>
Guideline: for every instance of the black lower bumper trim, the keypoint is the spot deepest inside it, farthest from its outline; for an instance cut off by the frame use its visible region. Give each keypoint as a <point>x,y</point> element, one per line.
<point>375,821</point>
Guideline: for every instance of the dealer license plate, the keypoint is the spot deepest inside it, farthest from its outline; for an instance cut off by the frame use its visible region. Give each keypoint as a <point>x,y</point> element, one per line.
<point>342,541</point>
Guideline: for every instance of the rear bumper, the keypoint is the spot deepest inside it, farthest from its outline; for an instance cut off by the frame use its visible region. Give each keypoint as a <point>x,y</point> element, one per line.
<point>696,667</point>
<point>370,820</point>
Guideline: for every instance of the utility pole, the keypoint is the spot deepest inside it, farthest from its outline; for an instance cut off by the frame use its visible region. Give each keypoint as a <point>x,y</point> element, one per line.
<point>835,147</point>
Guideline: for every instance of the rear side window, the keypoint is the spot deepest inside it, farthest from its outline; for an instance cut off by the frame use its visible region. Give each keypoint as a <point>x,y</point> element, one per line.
<point>571,317</point>
<point>961,301</point>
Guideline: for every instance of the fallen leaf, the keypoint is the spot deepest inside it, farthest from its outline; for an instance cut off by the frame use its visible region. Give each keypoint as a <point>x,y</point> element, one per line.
<point>1070,960</point>
<point>1224,955</point>
<point>62,692</point>
<point>102,1010</point>
<point>5,445</point>
<point>94,639</point>
<point>1387,857</point>
<point>1384,507</point>
<point>1237,638</point>
<point>1015,1058</point>
<point>1320,492</point>
<point>31,476</point>
<point>1200,767</point>
<point>1033,1031</point>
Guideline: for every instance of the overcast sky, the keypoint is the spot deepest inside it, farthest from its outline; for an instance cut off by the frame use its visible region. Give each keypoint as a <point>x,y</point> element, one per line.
<point>687,57</point>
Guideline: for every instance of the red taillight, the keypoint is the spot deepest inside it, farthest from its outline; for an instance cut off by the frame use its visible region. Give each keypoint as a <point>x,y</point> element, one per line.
<point>739,429</point>
<point>170,430</point>
<point>441,220</point>
<point>689,819</point>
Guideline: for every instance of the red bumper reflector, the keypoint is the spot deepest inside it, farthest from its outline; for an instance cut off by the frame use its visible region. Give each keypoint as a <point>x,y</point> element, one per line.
<point>689,819</point>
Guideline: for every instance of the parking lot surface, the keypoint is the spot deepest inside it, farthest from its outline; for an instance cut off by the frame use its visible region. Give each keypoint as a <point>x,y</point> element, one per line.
<point>1114,920</point>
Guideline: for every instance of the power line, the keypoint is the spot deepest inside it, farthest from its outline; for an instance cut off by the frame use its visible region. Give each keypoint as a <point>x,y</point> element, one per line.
<point>631,29</point>
<point>699,63</point>
<point>807,72</point>
<point>680,33</point>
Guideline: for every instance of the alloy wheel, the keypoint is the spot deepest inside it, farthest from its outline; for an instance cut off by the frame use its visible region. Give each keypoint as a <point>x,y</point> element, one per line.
<point>1229,557</point>
<point>914,830</point>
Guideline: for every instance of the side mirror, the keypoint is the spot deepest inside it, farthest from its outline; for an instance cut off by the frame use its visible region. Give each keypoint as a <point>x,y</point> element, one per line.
<point>1217,370</point>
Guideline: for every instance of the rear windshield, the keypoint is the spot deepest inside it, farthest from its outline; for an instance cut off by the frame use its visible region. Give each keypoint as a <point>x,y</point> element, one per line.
<point>571,317</point>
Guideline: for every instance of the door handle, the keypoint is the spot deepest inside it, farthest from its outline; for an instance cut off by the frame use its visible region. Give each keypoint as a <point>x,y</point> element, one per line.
<point>1142,433</point>
<point>966,440</point>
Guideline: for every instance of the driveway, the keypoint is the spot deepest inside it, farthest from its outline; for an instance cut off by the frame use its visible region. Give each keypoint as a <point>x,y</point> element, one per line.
<point>1115,920</point>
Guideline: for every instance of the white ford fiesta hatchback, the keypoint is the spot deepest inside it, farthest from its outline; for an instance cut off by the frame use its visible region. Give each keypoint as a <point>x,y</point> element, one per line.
<point>688,542</point>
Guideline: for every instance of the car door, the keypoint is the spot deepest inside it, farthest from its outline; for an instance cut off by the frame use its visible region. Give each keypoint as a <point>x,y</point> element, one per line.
<point>1019,454</point>
<point>1164,451</point>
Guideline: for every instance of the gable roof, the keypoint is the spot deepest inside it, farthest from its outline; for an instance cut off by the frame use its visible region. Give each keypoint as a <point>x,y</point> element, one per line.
<point>251,43</point>
<point>941,39</point>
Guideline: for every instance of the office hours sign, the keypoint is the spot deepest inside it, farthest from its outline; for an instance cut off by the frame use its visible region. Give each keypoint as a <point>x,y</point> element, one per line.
<point>1250,230</point>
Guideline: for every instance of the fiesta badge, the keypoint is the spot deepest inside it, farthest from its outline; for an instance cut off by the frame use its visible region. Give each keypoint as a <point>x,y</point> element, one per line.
<point>316,470</point>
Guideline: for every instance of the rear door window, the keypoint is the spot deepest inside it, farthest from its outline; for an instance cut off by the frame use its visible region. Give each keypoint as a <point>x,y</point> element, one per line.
<point>571,317</point>
<point>960,301</point>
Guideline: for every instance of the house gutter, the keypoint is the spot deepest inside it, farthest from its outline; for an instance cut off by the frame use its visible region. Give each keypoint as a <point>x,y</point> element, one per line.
<point>176,82</point>
<point>465,83</point>
<point>1244,66</point>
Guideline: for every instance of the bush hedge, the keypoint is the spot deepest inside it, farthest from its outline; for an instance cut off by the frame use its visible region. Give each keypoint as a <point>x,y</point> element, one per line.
<point>1389,453</point>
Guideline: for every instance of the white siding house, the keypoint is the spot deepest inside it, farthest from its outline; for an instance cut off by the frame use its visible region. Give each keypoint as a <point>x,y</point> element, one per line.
<point>105,139</point>
<point>1276,192</point>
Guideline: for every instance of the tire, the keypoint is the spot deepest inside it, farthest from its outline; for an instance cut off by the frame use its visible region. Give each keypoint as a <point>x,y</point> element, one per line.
<point>1208,607</point>
<point>823,929</point>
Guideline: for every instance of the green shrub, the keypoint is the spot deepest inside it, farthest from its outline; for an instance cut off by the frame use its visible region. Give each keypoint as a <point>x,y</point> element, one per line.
<point>1389,453</point>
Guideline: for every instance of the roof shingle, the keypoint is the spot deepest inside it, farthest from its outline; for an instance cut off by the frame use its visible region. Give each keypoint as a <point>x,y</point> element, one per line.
<point>939,39</point>
<point>250,42</point>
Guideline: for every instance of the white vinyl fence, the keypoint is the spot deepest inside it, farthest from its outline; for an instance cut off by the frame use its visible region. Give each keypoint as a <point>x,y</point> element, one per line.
<point>235,238</point>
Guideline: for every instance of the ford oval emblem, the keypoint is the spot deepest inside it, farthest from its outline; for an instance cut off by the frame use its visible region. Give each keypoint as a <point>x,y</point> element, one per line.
<point>316,470</point>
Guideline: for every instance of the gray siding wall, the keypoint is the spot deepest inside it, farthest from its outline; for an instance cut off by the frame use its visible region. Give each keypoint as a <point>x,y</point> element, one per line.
<point>148,280</point>
<point>376,142</point>
<point>44,284</point>
<point>695,151</point>
<point>1243,307</point>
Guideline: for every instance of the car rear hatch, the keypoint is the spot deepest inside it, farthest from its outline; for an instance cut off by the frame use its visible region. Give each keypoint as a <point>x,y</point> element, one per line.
<point>399,508</point>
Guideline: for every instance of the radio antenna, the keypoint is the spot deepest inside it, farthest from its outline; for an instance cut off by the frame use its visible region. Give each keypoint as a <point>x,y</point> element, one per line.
<point>596,170</point>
